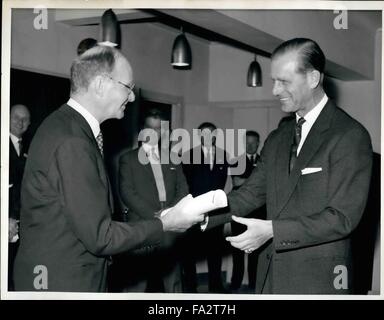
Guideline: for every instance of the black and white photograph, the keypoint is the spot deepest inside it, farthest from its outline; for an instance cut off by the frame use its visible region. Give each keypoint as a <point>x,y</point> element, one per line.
<point>191,150</point>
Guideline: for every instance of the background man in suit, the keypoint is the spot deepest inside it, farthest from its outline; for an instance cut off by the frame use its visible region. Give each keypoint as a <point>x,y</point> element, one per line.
<point>144,190</point>
<point>210,174</point>
<point>251,146</point>
<point>20,120</point>
<point>67,234</point>
<point>313,175</point>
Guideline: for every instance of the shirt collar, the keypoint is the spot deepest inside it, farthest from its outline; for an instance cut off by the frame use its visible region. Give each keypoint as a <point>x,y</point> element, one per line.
<point>91,120</point>
<point>14,138</point>
<point>147,147</point>
<point>312,115</point>
<point>207,149</point>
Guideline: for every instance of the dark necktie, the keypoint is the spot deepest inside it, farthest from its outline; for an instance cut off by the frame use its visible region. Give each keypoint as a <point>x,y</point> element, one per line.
<point>99,140</point>
<point>253,159</point>
<point>296,142</point>
<point>20,147</point>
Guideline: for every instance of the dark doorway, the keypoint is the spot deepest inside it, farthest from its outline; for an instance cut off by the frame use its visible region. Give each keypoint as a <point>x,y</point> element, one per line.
<point>41,93</point>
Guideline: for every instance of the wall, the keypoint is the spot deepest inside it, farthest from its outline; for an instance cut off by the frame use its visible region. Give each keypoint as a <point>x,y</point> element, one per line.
<point>47,51</point>
<point>228,75</point>
<point>362,99</point>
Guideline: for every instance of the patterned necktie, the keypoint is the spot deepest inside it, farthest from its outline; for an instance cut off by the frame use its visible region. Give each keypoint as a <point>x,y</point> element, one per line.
<point>99,140</point>
<point>296,142</point>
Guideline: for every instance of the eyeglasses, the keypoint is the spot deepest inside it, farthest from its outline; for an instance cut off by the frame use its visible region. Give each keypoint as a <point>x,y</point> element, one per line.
<point>128,86</point>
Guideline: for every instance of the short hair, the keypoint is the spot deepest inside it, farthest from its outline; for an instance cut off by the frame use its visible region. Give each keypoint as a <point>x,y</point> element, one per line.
<point>155,113</point>
<point>311,57</point>
<point>93,62</point>
<point>206,125</point>
<point>86,44</point>
<point>252,133</point>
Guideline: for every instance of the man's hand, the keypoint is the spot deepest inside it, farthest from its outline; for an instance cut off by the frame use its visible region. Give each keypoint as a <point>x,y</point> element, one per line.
<point>178,219</point>
<point>238,181</point>
<point>13,228</point>
<point>258,232</point>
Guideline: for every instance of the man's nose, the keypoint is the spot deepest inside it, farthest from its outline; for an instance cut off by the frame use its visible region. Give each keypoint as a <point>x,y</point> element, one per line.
<point>131,96</point>
<point>276,90</point>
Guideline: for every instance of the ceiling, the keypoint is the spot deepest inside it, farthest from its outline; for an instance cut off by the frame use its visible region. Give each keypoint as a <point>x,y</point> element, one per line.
<point>231,27</point>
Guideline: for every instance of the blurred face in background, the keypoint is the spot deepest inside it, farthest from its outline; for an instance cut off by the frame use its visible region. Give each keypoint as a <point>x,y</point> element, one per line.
<point>153,123</point>
<point>208,138</point>
<point>252,144</point>
<point>20,120</point>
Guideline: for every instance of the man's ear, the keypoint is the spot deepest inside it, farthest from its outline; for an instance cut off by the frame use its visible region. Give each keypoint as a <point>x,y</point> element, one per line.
<point>314,78</point>
<point>98,85</point>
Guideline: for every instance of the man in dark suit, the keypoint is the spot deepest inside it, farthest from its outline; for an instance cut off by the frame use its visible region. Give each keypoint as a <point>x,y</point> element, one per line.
<point>67,234</point>
<point>252,140</point>
<point>146,188</point>
<point>209,173</point>
<point>313,175</point>
<point>20,120</point>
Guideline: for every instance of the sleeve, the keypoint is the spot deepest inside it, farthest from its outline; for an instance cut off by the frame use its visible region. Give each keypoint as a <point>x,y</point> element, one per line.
<point>85,204</point>
<point>128,191</point>
<point>250,196</point>
<point>348,185</point>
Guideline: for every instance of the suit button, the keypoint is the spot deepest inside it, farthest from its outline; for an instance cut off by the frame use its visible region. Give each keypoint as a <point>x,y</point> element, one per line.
<point>268,256</point>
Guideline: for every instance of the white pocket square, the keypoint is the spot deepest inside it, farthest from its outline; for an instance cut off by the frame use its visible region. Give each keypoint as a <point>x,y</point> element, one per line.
<point>310,170</point>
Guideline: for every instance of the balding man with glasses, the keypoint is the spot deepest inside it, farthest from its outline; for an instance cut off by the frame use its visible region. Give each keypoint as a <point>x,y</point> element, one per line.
<point>67,234</point>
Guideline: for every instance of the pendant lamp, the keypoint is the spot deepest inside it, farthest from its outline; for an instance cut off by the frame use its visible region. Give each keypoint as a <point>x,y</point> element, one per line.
<point>254,77</point>
<point>181,52</point>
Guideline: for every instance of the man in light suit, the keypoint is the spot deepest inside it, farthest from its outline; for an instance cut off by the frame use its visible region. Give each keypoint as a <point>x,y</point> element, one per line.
<point>147,188</point>
<point>67,234</point>
<point>20,119</point>
<point>314,177</point>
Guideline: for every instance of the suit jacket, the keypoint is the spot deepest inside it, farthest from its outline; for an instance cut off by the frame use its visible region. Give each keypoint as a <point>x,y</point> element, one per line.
<point>200,177</point>
<point>139,194</point>
<point>249,166</point>
<point>16,171</point>
<point>66,210</point>
<point>138,189</point>
<point>313,215</point>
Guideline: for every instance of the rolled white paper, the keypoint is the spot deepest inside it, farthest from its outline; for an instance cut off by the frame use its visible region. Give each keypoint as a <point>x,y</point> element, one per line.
<point>204,203</point>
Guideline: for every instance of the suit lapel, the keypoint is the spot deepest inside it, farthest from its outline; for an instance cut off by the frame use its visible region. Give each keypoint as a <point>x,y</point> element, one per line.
<point>12,151</point>
<point>85,127</point>
<point>282,152</point>
<point>312,143</point>
<point>147,171</point>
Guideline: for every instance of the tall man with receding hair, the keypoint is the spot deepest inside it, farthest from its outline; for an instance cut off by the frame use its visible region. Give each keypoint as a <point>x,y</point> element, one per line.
<point>67,234</point>
<point>313,175</point>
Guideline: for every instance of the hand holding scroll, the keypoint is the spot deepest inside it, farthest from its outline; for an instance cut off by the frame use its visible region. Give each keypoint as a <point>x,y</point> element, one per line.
<point>189,211</point>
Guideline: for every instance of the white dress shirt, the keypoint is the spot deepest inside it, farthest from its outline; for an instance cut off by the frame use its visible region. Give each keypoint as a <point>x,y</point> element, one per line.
<point>154,159</point>
<point>209,153</point>
<point>91,120</point>
<point>310,119</point>
<point>15,141</point>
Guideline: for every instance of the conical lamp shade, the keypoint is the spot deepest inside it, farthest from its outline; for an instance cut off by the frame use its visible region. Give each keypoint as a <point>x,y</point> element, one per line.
<point>181,52</point>
<point>254,78</point>
<point>109,29</point>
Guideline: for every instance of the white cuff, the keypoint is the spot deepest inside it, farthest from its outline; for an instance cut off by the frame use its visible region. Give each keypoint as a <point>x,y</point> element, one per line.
<point>203,225</point>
